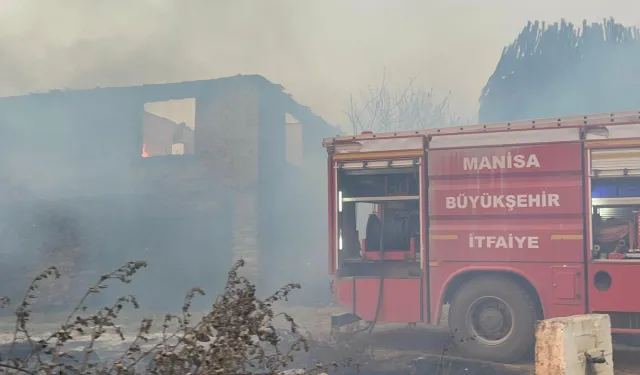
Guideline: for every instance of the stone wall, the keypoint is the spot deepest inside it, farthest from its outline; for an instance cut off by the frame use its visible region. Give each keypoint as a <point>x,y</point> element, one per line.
<point>240,132</point>
<point>245,232</point>
<point>227,129</point>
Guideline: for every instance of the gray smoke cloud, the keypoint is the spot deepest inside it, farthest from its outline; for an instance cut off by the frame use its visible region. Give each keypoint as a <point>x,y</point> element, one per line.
<point>320,50</point>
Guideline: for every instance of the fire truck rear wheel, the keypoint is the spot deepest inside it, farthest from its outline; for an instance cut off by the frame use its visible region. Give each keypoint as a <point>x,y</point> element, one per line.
<point>493,318</point>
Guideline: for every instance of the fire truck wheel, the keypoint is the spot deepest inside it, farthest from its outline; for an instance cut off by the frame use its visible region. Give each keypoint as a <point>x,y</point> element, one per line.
<point>493,318</point>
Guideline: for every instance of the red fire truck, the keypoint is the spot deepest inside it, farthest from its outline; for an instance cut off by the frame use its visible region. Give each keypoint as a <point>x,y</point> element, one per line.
<point>506,223</point>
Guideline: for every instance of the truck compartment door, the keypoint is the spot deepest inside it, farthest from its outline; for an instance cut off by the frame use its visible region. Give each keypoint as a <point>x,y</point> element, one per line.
<point>566,282</point>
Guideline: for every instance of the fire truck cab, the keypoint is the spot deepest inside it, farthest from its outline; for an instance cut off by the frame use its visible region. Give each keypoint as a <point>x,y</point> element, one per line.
<point>506,223</point>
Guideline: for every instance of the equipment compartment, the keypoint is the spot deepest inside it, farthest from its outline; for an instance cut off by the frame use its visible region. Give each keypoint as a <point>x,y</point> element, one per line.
<point>615,202</point>
<point>379,218</point>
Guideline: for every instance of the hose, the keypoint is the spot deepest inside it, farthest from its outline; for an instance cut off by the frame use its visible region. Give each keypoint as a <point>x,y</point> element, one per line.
<point>397,232</point>
<point>374,224</point>
<point>382,273</point>
<point>401,228</point>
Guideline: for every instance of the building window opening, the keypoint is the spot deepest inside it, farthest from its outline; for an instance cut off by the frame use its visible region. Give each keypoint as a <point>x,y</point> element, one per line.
<point>168,128</point>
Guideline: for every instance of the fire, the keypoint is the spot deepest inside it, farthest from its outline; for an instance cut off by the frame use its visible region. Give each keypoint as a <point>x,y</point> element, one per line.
<point>144,151</point>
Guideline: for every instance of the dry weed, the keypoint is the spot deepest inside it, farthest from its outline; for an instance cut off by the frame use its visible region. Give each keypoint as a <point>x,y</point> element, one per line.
<point>237,335</point>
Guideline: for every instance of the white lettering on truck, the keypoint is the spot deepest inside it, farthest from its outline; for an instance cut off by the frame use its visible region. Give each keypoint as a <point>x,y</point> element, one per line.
<point>507,161</point>
<point>503,242</point>
<point>509,201</point>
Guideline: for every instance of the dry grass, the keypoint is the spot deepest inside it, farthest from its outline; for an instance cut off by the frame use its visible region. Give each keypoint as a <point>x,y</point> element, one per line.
<point>240,334</point>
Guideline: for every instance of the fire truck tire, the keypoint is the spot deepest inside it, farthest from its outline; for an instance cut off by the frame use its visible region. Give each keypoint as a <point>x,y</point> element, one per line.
<point>493,318</point>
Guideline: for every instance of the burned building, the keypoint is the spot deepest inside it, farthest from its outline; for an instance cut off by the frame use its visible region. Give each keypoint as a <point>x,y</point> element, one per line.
<point>187,176</point>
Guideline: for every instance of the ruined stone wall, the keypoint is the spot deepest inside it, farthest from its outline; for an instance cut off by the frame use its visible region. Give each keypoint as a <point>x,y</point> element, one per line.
<point>227,129</point>
<point>163,209</point>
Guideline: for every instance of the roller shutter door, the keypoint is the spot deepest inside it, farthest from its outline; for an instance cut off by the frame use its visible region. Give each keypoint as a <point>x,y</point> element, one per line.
<point>616,212</point>
<point>615,163</point>
<point>378,164</point>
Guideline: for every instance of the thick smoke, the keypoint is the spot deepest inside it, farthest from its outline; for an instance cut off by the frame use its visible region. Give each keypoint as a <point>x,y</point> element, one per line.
<point>319,51</point>
<point>562,69</point>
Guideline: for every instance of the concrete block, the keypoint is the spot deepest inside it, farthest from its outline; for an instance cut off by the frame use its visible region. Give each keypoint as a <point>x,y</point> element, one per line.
<point>574,345</point>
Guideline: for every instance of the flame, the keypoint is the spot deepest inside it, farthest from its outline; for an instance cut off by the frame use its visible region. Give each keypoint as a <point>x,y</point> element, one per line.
<point>145,154</point>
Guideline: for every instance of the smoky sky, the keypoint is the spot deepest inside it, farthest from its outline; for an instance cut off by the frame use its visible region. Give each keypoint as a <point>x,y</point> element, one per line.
<point>319,50</point>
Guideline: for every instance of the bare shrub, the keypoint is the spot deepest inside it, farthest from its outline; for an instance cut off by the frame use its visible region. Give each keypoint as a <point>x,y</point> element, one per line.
<point>237,336</point>
<point>383,109</point>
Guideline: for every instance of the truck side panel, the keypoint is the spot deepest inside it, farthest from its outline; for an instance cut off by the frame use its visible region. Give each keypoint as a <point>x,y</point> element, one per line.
<point>503,240</point>
<point>496,161</point>
<point>401,298</point>
<point>614,294</point>
<point>515,209</point>
<point>513,197</point>
<point>539,275</point>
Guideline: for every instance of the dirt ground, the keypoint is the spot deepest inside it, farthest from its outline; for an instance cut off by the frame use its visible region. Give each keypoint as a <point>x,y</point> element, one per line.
<point>401,344</point>
<point>394,346</point>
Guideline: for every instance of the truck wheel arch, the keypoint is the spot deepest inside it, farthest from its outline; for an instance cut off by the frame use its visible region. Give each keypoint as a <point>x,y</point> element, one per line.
<point>461,277</point>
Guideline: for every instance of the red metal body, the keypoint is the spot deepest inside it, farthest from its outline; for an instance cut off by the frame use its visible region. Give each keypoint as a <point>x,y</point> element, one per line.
<point>511,198</point>
<point>637,244</point>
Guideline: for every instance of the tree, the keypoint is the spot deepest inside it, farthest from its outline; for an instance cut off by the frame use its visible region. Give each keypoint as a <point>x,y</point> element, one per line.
<point>382,109</point>
<point>559,70</point>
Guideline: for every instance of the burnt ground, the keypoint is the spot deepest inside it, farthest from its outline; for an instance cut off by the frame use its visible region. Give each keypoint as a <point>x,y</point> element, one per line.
<point>398,349</point>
